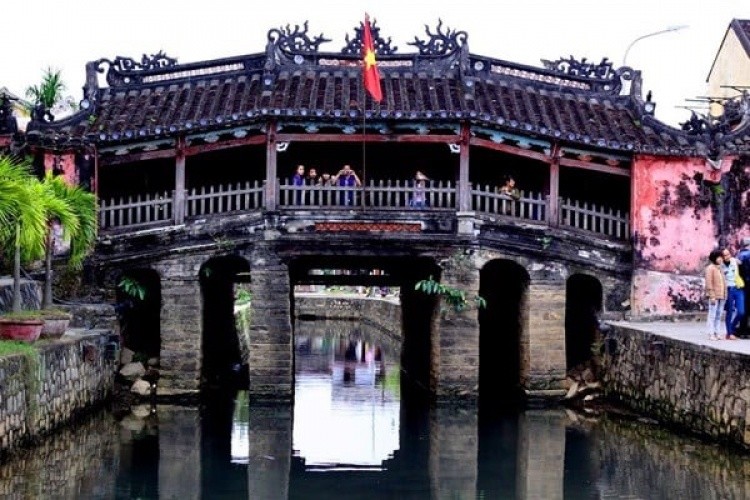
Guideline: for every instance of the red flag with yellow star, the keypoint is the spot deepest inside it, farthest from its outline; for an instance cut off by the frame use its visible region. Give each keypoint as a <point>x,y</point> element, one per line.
<point>370,67</point>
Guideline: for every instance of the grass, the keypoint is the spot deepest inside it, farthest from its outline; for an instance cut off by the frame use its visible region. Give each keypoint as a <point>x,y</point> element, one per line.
<point>38,314</point>
<point>31,374</point>
<point>10,347</point>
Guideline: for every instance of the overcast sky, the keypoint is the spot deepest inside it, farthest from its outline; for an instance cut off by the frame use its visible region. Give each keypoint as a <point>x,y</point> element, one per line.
<point>67,34</point>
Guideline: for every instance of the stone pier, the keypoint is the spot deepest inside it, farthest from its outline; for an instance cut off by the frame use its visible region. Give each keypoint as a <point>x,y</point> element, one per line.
<point>181,322</point>
<point>455,354</point>
<point>543,338</point>
<point>271,356</point>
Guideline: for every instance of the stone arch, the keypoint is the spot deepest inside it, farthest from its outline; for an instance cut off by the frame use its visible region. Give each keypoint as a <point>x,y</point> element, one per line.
<point>583,304</point>
<point>220,342</point>
<point>504,284</point>
<point>139,310</point>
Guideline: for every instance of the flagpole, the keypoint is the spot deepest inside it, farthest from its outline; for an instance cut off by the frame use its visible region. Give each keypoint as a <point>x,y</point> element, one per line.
<point>371,84</point>
<point>364,146</point>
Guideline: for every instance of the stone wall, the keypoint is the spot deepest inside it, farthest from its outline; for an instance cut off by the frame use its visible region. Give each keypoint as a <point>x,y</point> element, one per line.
<point>384,314</point>
<point>699,388</point>
<point>71,375</point>
<point>31,294</point>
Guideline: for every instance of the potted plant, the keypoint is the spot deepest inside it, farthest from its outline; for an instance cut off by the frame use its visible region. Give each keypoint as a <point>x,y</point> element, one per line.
<point>56,322</point>
<point>22,230</point>
<point>27,202</point>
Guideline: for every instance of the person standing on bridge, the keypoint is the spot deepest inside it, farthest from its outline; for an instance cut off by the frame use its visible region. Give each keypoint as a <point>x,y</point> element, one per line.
<point>298,180</point>
<point>716,290</point>
<point>347,178</point>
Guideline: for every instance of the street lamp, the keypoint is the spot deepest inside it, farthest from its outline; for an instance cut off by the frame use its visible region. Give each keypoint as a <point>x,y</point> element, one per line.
<point>669,29</point>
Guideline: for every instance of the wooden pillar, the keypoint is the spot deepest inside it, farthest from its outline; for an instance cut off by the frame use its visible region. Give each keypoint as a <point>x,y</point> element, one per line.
<point>271,175</point>
<point>464,188</point>
<point>553,213</point>
<point>179,182</point>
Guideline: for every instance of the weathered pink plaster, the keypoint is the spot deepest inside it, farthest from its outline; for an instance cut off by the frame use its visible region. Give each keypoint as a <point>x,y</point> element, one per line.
<point>65,162</point>
<point>674,230</point>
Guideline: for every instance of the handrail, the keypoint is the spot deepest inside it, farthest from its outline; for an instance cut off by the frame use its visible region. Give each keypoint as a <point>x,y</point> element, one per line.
<point>381,194</point>
<point>141,210</point>
<point>377,195</point>
<point>531,206</point>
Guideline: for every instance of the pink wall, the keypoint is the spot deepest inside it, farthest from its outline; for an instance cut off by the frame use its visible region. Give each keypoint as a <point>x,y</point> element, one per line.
<point>66,162</point>
<point>674,229</point>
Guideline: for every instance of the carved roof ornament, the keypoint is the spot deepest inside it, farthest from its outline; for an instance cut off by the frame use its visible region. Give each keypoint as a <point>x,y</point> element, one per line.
<point>354,45</point>
<point>440,42</point>
<point>572,66</point>
<point>123,66</point>
<point>296,41</point>
<point>736,111</point>
<point>8,123</point>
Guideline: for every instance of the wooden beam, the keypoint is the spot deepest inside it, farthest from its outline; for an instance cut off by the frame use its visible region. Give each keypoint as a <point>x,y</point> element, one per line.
<point>568,162</point>
<point>231,143</point>
<point>406,138</point>
<point>507,148</point>
<point>106,161</point>
<point>271,175</point>
<point>464,189</point>
<point>189,150</point>
<point>553,215</point>
<point>179,182</point>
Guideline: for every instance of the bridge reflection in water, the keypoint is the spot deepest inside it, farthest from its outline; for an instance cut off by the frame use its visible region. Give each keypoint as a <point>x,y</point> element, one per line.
<point>364,438</point>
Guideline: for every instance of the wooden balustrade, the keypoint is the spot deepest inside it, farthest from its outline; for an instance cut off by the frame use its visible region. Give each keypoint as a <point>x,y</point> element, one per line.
<point>208,200</point>
<point>380,194</point>
<point>589,217</point>
<point>158,208</point>
<point>133,211</point>
<point>531,206</point>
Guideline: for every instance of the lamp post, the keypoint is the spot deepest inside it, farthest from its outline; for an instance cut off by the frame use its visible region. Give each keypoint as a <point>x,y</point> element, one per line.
<point>669,29</point>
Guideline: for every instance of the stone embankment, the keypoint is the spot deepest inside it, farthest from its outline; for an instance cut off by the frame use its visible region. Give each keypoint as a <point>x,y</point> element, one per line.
<point>62,378</point>
<point>674,374</point>
<point>383,313</point>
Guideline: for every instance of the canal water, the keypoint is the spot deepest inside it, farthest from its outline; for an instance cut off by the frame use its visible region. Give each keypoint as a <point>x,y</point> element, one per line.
<point>354,432</point>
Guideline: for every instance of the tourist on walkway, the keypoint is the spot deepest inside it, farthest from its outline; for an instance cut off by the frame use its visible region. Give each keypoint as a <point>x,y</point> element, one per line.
<point>735,295</point>
<point>509,193</point>
<point>716,290</point>
<point>743,258</point>
<point>312,177</point>
<point>298,180</point>
<point>347,178</point>
<point>419,196</point>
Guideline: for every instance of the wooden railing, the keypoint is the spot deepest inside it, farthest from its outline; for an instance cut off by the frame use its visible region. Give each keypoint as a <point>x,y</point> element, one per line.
<point>222,199</point>
<point>146,210</point>
<point>589,217</point>
<point>141,210</point>
<point>381,194</point>
<point>531,206</point>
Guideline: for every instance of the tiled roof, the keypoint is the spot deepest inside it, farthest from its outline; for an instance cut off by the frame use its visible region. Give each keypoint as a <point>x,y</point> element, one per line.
<point>568,101</point>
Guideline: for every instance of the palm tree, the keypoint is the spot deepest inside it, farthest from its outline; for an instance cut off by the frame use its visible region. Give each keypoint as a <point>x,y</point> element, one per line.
<point>49,91</point>
<point>23,219</point>
<point>75,210</point>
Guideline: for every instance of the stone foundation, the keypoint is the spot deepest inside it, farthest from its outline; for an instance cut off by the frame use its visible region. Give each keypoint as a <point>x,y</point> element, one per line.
<point>701,389</point>
<point>73,374</point>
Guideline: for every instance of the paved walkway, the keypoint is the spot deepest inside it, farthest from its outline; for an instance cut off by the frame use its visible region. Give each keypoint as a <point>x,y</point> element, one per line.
<point>693,332</point>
